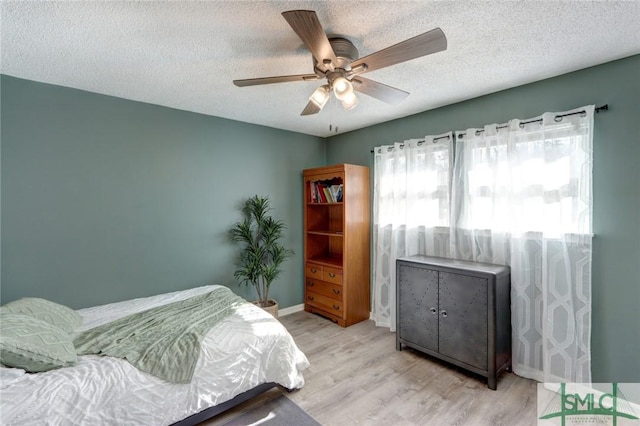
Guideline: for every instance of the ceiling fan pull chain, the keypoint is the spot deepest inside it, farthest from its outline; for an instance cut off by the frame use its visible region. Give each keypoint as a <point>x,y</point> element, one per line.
<point>334,102</point>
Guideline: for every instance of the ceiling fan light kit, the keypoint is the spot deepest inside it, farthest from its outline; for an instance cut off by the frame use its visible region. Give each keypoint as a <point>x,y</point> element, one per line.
<point>320,96</point>
<point>342,88</point>
<point>350,101</point>
<point>334,59</point>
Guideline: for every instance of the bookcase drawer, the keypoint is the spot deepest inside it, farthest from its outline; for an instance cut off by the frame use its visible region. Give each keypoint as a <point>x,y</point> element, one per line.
<point>326,289</point>
<point>332,275</point>
<point>324,302</point>
<point>324,273</point>
<point>313,270</point>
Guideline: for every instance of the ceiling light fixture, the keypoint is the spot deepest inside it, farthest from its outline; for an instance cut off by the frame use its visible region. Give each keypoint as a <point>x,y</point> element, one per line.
<point>342,88</point>
<point>320,96</point>
<point>349,101</point>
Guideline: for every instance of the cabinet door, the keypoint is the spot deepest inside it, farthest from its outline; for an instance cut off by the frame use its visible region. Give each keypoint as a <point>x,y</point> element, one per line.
<point>418,306</point>
<point>463,318</point>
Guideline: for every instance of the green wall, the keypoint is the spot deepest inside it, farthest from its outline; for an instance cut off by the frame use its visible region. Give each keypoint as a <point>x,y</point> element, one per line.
<point>105,199</point>
<point>616,222</point>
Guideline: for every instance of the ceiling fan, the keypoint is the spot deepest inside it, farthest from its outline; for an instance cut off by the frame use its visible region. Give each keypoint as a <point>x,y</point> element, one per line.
<point>335,59</point>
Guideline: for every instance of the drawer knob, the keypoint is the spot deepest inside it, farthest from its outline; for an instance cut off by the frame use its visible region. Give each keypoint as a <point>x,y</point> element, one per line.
<point>336,307</point>
<point>332,275</point>
<point>433,311</point>
<point>443,313</point>
<point>310,297</point>
<point>336,291</point>
<point>310,283</point>
<point>314,270</point>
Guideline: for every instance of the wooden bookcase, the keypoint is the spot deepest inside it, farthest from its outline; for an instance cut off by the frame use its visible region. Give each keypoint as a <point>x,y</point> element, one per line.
<point>336,242</point>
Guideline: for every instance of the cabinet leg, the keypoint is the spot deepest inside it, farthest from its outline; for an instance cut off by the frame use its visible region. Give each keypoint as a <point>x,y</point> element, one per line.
<point>398,345</point>
<point>492,382</point>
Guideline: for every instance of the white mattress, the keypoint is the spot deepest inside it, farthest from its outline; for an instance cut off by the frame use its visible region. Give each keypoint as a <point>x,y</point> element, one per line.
<point>242,351</point>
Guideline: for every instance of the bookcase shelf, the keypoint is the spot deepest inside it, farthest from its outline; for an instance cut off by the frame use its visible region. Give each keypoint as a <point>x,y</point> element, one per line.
<point>327,233</point>
<point>336,242</point>
<point>335,262</point>
<point>314,204</point>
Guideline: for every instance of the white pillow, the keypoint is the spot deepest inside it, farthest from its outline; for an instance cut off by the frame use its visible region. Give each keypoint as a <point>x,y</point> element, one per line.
<point>33,345</point>
<point>54,313</point>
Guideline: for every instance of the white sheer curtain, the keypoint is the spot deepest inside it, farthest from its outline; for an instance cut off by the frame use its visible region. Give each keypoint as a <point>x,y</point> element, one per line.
<point>480,202</point>
<point>410,212</point>
<point>522,196</point>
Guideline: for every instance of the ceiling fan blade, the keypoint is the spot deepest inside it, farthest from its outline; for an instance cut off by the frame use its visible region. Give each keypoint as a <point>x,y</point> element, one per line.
<point>311,108</point>
<point>380,91</point>
<point>424,44</point>
<point>306,24</point>
<point>277,79</point>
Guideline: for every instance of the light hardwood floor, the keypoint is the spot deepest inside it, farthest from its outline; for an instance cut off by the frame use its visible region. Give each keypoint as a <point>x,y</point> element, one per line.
<point>357,377</point>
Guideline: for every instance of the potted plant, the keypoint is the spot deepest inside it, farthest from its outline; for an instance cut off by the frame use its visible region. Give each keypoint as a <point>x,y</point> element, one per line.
<point>258,235</point>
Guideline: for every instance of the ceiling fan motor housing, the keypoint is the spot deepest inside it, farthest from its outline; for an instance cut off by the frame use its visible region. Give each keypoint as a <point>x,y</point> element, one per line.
<point>345,52</point>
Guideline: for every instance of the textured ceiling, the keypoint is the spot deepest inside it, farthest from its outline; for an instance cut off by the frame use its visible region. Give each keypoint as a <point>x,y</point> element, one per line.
<point>185,55</point>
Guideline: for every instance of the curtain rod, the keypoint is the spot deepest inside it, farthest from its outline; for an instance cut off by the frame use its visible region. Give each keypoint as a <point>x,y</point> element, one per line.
<point>558,117</point>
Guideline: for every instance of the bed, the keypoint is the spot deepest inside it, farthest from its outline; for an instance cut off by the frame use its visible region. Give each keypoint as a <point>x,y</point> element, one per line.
<point>245,353</point>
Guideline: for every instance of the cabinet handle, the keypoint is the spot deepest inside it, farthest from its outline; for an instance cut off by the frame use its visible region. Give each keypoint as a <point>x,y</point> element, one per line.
<point>443,313</point>
<point>310,297</point>
<point>336,291</point>
<point>314,270</point>
<point>336,307</point>
<point>332,275</point>
<point>433,311</point>
<point>310,283</point>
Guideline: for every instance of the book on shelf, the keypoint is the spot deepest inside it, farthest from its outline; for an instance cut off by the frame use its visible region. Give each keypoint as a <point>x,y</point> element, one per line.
<point>325,193</point>
<point>322,194</point>
<point>336,191</point>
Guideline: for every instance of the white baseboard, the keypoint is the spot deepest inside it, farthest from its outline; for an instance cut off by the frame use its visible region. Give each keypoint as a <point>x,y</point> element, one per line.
<point>290,310</point>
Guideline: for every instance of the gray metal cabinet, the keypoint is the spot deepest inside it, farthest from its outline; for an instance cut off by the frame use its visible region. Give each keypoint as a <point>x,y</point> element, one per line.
<point>457,311</point>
